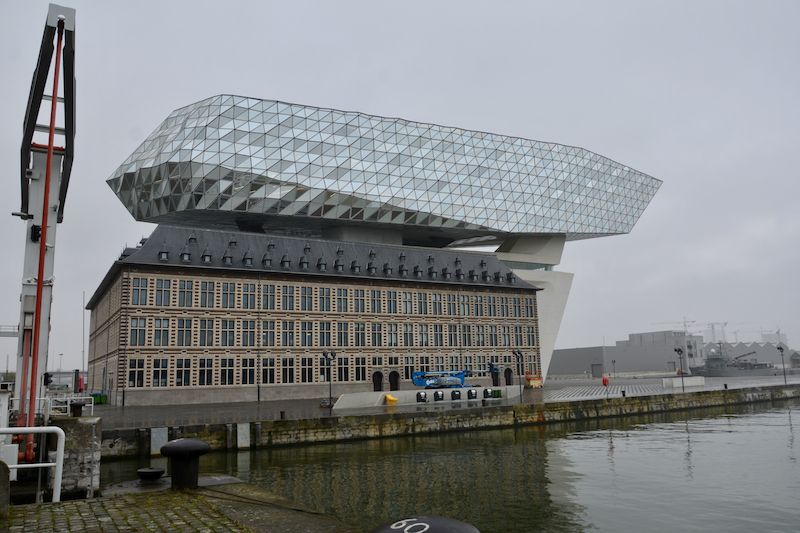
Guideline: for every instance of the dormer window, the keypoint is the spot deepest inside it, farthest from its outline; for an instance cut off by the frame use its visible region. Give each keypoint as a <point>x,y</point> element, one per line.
<point>285,261</point>
<point>355,266</point>
<point>417,272</point>
<point>163,255</point>
<point>511,277</point>
<point>339,251</point>
<point>232,242</point>
<point>247,259</point>
<point>322,266</point>
<point>446,274</point>
<point>266,260</point>
<point>185,257</point>
<point>192,239</point>
<point>483,263</point>
<point>206,257</point>
<point>459,274</point>
<point>473,276</point>
<point>338,265</point>
<point>270,245</point>
<point>485,276</point>
<point>498,277</point>
<point>432,272</point>
<point>402,257</point>
<point>458,262</point>
<point>431,260</point>
<point>304,263</point>
<point>387,269</point>
<point>227,259</point>
<point>371,268</point>
<point>307,249</point>
<point>372,254</point>
<point>403,269</point>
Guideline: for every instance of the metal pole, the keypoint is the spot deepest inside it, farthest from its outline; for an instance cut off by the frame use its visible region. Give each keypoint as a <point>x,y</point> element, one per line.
<point>783,362</point>
<point>680,362</point>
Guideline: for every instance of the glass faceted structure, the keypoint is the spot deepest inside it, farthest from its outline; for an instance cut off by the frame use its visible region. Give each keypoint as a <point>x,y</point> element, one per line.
<point>228,162</point>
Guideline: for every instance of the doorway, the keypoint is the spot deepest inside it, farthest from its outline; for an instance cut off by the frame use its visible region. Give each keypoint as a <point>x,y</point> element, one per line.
<point>377,381</point>
<point>394,381</point>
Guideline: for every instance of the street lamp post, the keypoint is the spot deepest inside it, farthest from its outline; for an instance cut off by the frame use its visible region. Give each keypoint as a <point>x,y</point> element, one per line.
<point>328,358</point>
<point>520,359</point>
<point>679,351</point>
<point>614,367</point>
<point>783,364</point>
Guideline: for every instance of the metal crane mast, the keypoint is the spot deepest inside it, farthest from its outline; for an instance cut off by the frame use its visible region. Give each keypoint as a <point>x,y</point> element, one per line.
<point>44,178</point>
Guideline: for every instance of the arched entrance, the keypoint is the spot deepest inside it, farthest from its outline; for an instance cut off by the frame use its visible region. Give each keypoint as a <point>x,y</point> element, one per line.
<point>509,374</point>
<point>394,381</point>
<point>377,381</point>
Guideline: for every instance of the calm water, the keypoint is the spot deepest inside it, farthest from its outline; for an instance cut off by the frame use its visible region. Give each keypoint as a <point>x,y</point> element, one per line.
<point>729,469</point>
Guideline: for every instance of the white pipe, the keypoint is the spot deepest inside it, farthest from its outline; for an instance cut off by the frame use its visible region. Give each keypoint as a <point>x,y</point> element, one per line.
<point>59,464</point>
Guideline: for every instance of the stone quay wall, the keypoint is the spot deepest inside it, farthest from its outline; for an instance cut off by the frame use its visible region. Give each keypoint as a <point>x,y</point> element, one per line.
<point>146,441</point>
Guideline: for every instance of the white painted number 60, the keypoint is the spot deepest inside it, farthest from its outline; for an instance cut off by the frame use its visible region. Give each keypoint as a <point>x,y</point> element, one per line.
<point>419,527</point>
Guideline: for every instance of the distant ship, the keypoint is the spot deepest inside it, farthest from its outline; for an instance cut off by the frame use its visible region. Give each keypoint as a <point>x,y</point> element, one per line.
<point>719,365</point>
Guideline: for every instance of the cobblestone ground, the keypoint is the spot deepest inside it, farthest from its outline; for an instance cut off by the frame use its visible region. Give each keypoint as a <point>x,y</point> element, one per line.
<point>166,511</point>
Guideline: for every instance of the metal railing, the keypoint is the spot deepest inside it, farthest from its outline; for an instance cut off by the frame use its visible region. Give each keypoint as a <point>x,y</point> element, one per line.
<point>59,464</point>
<point>38,408</point>
<point>66,401</point>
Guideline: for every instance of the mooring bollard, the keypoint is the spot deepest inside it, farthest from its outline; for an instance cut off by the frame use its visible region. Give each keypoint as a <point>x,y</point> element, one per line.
<point>184,456</point>
<point>75,409</point>
<point>428,524</point>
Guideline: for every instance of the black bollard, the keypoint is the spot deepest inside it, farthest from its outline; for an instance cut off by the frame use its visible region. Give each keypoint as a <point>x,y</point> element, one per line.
<point>428,524</point>
<point>76,408</point>
<point>184,456</point>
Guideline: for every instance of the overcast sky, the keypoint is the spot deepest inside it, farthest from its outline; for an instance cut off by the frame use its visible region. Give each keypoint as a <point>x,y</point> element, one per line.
<point>704,96</point>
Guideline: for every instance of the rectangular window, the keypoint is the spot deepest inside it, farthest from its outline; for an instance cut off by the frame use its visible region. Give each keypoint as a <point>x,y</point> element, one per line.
<point>341,334</point>
<point>517,306</point>
<point>451,305</point>
<point>358,301</point>
<point>493,336</point>
<point>422,303</point>
<point>136,372</point>
<point>438,364</point>
<point>375,302</point>
<point>226,371</point>
<point>438,335</point>
<point>287,334</point>
<point>343,369</point>
<point>205,375</point>
<point>324,370</point>
<point>206,294</point>
<point>287,368</point>
<point>248,371</point>
<point>228,295</point>
<point>137,332</point>
<point>306,369</point>
<point>249,296</point>
<point>452,335</point>
<point>360,334</point>
<point>248,332</point>
<point>139,291</point>
<point>206,333</point>
<point>228,333</point>
<point>306,299</point>
<point>491,307</point>
<point>408,367</point>
<point>408,303</point>
<point>268,330</point>
<point>423,334</point>
<point>184,332</point>
<point>377,338</point>
<point>425,364</point>
<point>531,336</point>
<point>185,293</point>
<point>478,305</point>
<point>529,307</point>
<point>466,335</point>
<point>480,336</point>
<point>506,336</point>
<point>391,335</point>
<point>268,297</point>
<point>324,333</point>
<point>394,361</point>
<point>287,298</point>
<point>341,300</point>
<point>162,292</point>
<point>183,374</point>
<point>268,370</point>
<point>436,304</point>
<point>160,372</point>
<point>306,334</point>
<point>503,306</point>
<point>517,335</point>
<point>391,302</point>
<point>377,361</point>
<point>361,368</point>
<point>161,332</point>
<point>464,305</point>
<point>408,334</point>
<point>324,300</point>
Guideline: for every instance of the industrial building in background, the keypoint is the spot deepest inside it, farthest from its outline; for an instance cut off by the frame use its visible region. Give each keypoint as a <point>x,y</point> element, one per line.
<point>307,231</point>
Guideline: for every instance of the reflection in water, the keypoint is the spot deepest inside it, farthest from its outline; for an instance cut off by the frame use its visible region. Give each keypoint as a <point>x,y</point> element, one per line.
<point>547,478</point>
